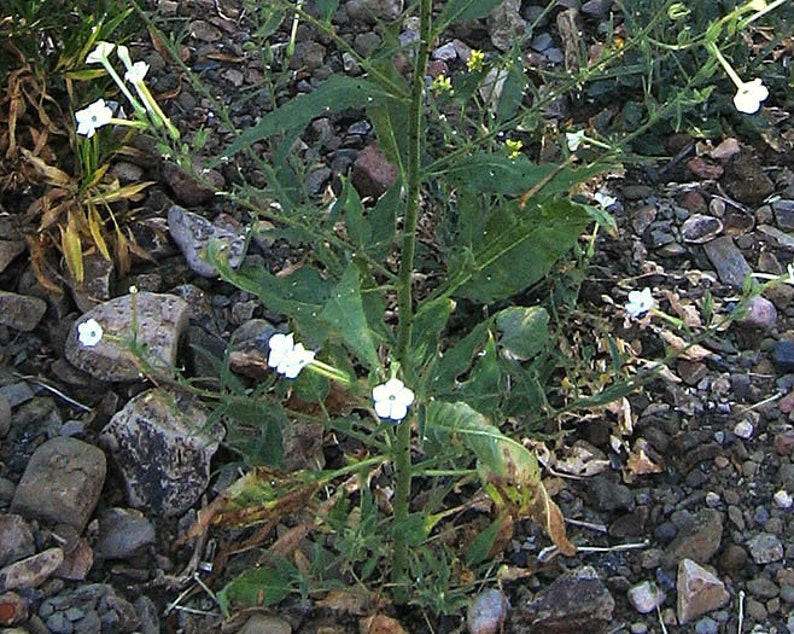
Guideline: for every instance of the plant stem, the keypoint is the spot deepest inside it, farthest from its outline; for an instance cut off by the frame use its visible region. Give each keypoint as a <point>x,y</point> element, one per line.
<point>402,448</point>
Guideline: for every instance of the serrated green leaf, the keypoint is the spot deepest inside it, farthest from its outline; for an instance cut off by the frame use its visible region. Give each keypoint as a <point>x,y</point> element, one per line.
<point>335,94</point>
<point>525,330</point>
<point>344,313</point>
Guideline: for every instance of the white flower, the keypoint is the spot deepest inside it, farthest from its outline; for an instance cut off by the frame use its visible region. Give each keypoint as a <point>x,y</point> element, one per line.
<point>100,53</point>
<point>604,199</point>
<point>392,399</point>
<point>790,272</point>
<point>574,140</point>
<point>92,117</point>
<point>287,357</point>
<point>749,96</point>
<point>640,302</point>
<point>89,333</point>
<point>136,72</point>
<point>124,55</point>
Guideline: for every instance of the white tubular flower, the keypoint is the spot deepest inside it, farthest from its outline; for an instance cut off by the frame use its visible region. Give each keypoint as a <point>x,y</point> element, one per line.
<point>749,96</point>
<point>392,399</point>
<point>89,333</point>
<point>574,140</point>
<point>92,117</point>
<point>287,357</point>
<point>100,53</point>
<point>640,302</point>
<point>604,200</point>
<point>136,72</point>
<point>124,55</point>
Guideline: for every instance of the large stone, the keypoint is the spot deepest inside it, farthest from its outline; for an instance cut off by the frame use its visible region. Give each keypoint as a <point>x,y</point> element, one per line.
<point>21,312</point>
<point>31,571</point>
<point>576,600</point>
<point>122,532</point>
<point>699,591</point>
<point>159,320</point>
<point>728,260</point>
<point>193,235</point>
<point>372,173</point>
<point>16,539</point>
<point>698,539</point>
<point>163,449</point>
<point>62,483</point>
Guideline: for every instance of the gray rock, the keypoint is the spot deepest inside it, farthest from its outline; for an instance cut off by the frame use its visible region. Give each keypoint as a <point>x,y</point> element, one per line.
<point>93,608</point>
<point>607,495</point>
<point>163,449</point>
<point>699,591</point>
<point>259,623</point>
<point>30,572</point>
<point>16,539</point>
<point>762,588</point>
<point>122,532</point>
<point>505,25</point>
<point>160,321</point>
<point>9,249</point>
<point>21,312</point>
<point>699,229</point>
<point>372,11</point>
<point>487,612</point>
<point>5,417</point>
<point>61,483</point>
<point>96,286</point>
<point>646,597</point>
<point>784,214</point>
<point>16,393</point>
<point>765,548</point>
<point>194,233</point>
<point>698,539</point>
<point>728,260</point>
<point>761,313</point>
<point>574,598</point>
<point>147,613</point>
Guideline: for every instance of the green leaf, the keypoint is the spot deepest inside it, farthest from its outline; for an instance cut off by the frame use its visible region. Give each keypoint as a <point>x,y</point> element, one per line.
<point>261,586</point>
<point>430,321</point>
<point>259,438</point>
<point>382,222</point>
<point>497,174</point>
<point>349,202</point>
<point>525,330</point>
<point>335,94</point>
<point>389,118</point>
<point>512,91</point>
<point>519,248</point>
<point>467,10</point>
<point>477,551</point>
<point>326,8</point>
<point>344,312</point>
<point>482,389</point>
<point>458,359</point>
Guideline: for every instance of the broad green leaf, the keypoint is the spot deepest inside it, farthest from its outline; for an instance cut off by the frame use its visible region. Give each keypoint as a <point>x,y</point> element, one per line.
<point>482,389</point>
<point>466,10</point>
<point>477,551</point>
<point>349,202</point>
<point>497,174</point>
<point>458,359</point>
<point>335,94</point>
<point>261,586</point>
<point>525,330</point>
<point>430,321</point>
<point>512,91</point>
<point>519,248</point>
<point>389,118</point>
<point>258,439</point>
<point>344,312</point>
<point>382,222</point>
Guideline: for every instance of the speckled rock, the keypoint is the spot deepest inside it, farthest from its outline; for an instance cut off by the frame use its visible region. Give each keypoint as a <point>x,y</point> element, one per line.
<point>160,321</point>
<point>699,591</point>
<point>21,312</point>
<point>193,234</point>
<point>163,449</point>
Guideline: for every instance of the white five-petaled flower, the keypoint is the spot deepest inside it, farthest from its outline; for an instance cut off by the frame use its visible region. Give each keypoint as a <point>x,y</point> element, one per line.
<point>392,399</point>
<point>136,72</point>
<point>100,53</point>
<point>640,302</point>
<point>604,199</point>
<point>89,333</point>
<point>92,117</point>
<point>574,140</point>
<point>286,356</point>
<point>749,96</point>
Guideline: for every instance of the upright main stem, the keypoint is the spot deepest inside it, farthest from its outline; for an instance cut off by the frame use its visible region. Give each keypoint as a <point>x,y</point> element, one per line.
<point>402,447</point>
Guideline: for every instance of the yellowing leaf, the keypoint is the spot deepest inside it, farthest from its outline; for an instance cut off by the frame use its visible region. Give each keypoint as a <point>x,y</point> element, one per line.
<point>72,252</point>
<point>95,228</point>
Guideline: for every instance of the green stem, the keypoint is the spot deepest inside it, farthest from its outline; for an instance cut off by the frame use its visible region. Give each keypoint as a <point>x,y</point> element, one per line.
<point>402,448</point>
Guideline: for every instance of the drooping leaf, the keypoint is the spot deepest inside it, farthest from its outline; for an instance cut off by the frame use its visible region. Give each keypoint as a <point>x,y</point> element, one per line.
<point>481,389</point>
<point>335,94</point>
<point>525,330</point>
<point>72,251</point>
<point>344,313</point>
<point>519,248</point>
<point>458,359</point>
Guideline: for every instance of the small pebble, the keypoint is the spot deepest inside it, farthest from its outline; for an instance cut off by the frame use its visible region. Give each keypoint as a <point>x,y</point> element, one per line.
<point>712,499</point>
<point>783,499</point>
<point>706,626</point>
<point>744,429</point>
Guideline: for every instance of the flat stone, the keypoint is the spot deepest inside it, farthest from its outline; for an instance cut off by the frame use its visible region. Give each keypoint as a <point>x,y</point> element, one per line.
<point>487,612</point>
<point>194,233</point>
<point>745,179</point>
<point>698,539</point>
<point>506,26</point>
<point>21,312</point>
<point>728,260</point>
<point>61,483</point>
<point>784,214</point>
<point>372,11</point>
<point>699,229</point>
<point>161,445</point>
<point>372,172</point>
<point>122,532</point>
<point>783,239</point>
<point>204,31</point>
<point>699,591</point>
<point>784,355</point>
<point>16,539</point>
<point>188,189</point>
<point>96,286</point>
<point>575,599</point>
<point>160,321</point>
<point>9,249</point>
<point>78,559</point>
<point>31,571</point>
<point>765,548</point>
